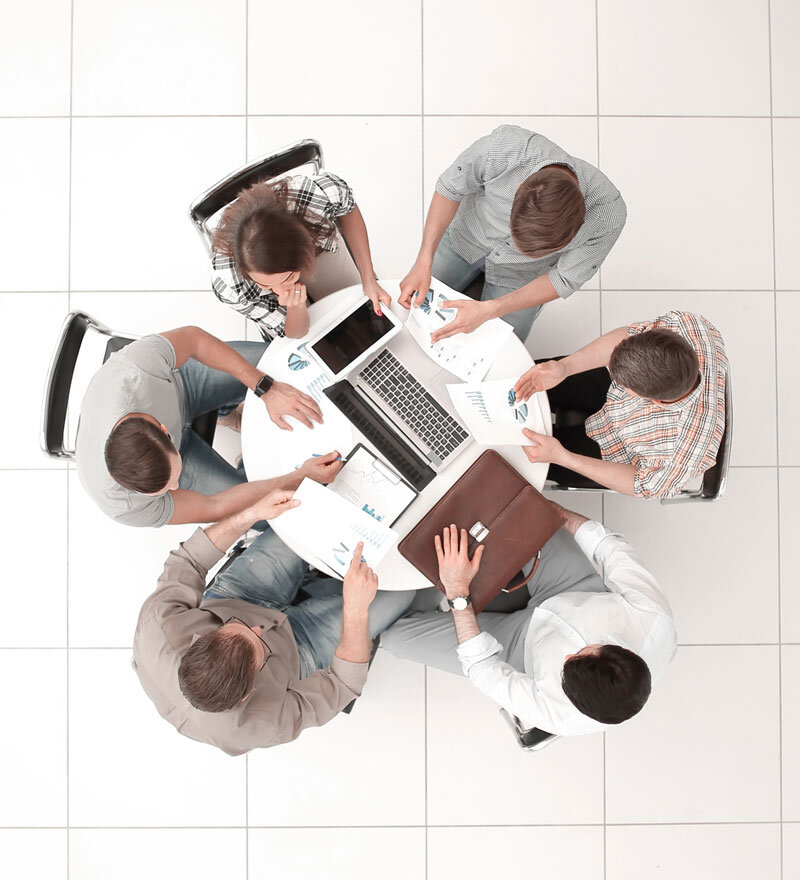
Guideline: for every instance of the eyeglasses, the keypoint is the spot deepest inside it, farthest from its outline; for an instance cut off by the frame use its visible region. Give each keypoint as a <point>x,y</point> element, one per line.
<point>267,650</point>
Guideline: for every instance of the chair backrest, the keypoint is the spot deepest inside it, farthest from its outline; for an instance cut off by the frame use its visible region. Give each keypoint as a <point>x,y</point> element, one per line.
<point>269,167</point>
<point>55,404</point>
<point>531,739</point>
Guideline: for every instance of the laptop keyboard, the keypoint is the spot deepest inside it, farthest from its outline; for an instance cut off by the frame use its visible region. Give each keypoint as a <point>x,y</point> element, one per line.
<point>404,395</point>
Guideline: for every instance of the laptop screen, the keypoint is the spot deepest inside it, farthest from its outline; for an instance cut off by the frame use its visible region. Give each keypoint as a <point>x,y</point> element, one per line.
<point>351,337</point>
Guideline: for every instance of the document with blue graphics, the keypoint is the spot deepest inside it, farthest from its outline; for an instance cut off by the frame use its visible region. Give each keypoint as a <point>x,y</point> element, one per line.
<point>492,414</point>
<point>330,527</point>
<point>372,486</point>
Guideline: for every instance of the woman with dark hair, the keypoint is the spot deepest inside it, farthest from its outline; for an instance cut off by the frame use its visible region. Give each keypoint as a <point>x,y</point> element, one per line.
<point>270,237</point>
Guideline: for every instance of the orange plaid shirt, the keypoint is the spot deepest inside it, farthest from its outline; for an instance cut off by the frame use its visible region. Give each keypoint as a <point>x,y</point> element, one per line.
<point>668,444</point>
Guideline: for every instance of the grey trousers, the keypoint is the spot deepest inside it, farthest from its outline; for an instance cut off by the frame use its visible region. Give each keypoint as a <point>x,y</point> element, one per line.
<point>430,637</point>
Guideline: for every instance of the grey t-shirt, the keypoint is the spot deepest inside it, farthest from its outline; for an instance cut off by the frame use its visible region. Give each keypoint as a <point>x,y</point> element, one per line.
<point>140,378</point>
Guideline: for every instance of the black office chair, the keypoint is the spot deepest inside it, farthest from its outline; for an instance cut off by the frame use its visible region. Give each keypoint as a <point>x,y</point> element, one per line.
<point>59,384</point>
<point>714,481</point>
<point>530,739</point>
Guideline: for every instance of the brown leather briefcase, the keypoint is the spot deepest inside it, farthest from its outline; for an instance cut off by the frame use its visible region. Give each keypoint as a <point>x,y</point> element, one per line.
<point>500,510</point>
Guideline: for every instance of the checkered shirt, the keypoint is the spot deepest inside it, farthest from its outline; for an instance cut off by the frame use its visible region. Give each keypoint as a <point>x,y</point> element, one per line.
<point>668,444</point>
<point>321,194</point>
<point>484,180</point>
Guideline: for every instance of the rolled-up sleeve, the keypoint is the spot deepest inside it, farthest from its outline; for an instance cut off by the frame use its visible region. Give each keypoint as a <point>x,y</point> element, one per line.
<point>468,173</point>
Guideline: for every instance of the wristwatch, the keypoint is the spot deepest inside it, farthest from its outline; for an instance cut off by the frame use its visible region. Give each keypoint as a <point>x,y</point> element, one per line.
<point>460,603</point>
<point>264,384</point>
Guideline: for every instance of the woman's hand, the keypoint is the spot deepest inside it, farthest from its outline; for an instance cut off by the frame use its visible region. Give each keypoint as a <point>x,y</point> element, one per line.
<point>377,295</point>
<point>456,569</point>
<point>293,297</point>
<point>415,285</point>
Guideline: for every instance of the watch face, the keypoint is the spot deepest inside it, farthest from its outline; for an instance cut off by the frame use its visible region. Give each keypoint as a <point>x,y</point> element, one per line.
<point>460,603</point>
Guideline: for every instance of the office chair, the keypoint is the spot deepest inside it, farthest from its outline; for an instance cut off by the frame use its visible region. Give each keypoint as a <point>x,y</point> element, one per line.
<point>714,479</point>
<point>59,384</point>
<point>531,740</point>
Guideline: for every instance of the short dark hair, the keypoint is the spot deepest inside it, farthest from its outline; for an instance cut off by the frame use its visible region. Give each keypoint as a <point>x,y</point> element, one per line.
<point>137,455</point>
<point>218,670</point>
<point>609,686</point>
<point>547,212</point>
<point>658,364</point>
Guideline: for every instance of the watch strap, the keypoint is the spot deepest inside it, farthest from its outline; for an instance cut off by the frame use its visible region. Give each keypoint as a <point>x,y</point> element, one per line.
<point>263,385</point>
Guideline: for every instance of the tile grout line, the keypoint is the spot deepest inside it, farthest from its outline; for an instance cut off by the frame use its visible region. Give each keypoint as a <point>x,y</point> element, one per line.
<point>66,472</point>
<point>398,115</point>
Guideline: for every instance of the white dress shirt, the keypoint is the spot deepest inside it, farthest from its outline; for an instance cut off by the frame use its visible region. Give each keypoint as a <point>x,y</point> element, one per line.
<point>633,614</point>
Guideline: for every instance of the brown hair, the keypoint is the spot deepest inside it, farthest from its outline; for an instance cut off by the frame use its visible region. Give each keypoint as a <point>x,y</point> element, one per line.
<point>657,364</point>
<point>548,211</point>
<point>137,455</point>
<point>218,671</point>
<point>266,230</point>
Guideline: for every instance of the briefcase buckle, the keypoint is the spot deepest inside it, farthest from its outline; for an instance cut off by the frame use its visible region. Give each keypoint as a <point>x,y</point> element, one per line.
<point>479,532</point>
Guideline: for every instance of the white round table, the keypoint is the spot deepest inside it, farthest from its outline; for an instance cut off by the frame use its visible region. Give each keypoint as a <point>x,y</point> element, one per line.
<point>266,449</point>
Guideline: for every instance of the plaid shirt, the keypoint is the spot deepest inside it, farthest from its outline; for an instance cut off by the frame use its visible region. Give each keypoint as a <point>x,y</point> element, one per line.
<point>668,444</point>
<point>322,194</point>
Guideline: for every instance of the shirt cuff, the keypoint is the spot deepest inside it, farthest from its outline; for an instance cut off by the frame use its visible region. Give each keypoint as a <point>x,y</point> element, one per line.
<point>203,550</point>
<point>479,647</point>
<point>589,535</point>
<point>562,288</point>
<point>443,188</point>
<point>352,675</point>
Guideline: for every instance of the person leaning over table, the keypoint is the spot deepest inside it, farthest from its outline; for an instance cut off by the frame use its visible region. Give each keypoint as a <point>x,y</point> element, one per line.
<point>269,238</point>
<point>649,402</point>
<point>597,631</point>
<point>240,664</point>
<point>538,222</point>
<point>136,453</point>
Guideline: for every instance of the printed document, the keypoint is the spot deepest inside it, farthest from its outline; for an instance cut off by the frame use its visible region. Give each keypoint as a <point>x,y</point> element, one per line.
<point>466,355</point>
<point>491,412</point>
<point>331,527</point>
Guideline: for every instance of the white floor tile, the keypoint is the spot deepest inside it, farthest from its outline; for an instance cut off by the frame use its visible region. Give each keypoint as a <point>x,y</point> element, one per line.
<point>365,59</point>
<point>789,483</point>
<point>785,17</point>
<point>195,51</point>
<point>113,568</point>
<point>705,747</point>
<point>33,741</point>
<point>381,159</point>
<point>586,503</point>
<point>38,560</point>
<point>505,62</point>
<point>337,853</point>
<point>366,768</point>
<point>788,318</point>
<point>747,324</point>
<point>132,183</point>
<point>656,59</point>
<point>129,767</point>
<point>127,854</point>
<point>34,179</point>
<point>564,326</point>
<point>33,854</point>
<point>693,852</point>
<point>790,682</point>
<point>786,134</point>
<point>687,226</point>
<point>478,853</point>
<point>478,775</point>
<point>24,315</point>
<point>718,594</point>
<point>34,58</point>
<point>791,850</point>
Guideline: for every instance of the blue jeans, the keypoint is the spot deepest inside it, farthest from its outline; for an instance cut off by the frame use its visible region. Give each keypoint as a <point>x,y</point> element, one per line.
<point>205,389</point>
<point>457,273</point>
<point>269,574</point>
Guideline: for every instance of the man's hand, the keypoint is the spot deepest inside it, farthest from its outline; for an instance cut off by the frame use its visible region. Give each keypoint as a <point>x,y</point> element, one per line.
<point>470,314</point>
<point>543,448</point>
<point>322,468</point>
<point>273,504</point>
<point>456,569</point>
<point>360,582</point>
<point>377,295</point>
<point>540,377</point>
<point>286,400</point>
<point>418,281</point>
<point>293,298</point>
<point>570,520</point>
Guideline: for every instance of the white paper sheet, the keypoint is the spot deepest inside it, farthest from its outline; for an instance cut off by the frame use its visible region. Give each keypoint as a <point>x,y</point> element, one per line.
<point>331,527</point>
<point>466,355</point>
<point>492,413</point>
<point>372,486</point>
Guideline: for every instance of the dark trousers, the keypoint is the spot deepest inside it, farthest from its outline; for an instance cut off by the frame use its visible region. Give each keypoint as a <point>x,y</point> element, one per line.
<point>572,402</point>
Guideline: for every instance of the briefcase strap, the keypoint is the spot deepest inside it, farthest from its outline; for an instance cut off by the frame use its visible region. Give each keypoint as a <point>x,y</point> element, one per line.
<point>525,580</point>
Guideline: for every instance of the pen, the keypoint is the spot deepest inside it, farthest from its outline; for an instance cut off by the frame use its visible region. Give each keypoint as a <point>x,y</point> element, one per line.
<point>320,454</point>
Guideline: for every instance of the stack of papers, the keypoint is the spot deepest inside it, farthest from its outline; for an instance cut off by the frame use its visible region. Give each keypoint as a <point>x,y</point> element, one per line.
<point>466,355</point>
<point>492,413</point>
